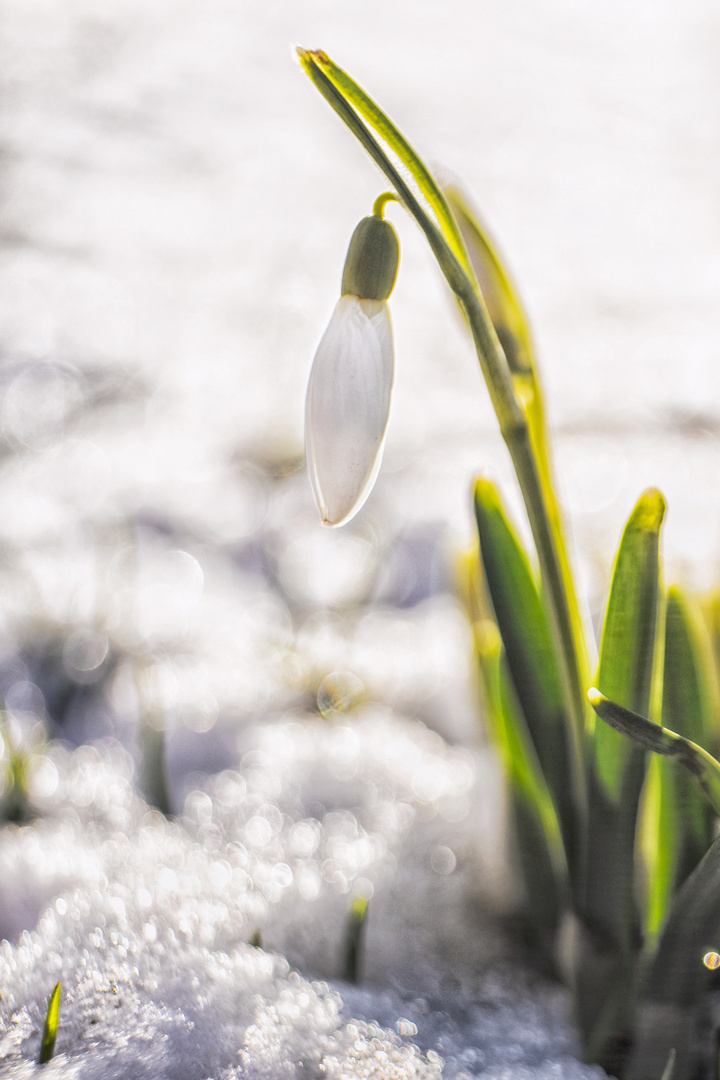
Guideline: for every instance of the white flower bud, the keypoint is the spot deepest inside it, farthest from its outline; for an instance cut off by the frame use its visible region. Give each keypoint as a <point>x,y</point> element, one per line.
<point>347,406</point>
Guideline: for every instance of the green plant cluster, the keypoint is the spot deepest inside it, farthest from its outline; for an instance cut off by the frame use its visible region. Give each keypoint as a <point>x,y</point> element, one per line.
<point>615,840</point>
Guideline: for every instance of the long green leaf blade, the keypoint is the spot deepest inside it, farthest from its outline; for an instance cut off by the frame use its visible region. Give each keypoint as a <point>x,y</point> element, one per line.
<point>512,327</point>
<point>531,658</point>
<point>627,656</point>
<point>611,922</point>
<point>52,1020</point>
<point>502,298</point>
<point>678,826</point>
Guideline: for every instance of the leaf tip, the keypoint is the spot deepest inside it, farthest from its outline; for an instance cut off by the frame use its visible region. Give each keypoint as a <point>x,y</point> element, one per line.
<point>594,696</point>
<point>484,492</point>
<point>650,509</point>
<point>311,56</point>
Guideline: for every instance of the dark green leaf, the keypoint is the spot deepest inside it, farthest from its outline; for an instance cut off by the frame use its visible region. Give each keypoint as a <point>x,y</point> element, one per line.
<point>702,766</point>
<point>541,858</point>
<point>627,656</point>
<point>531,658</point>
<point>608,907</point>
<point>681,972</point>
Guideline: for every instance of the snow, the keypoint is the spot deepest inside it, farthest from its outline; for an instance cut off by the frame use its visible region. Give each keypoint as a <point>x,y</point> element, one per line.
<point>147,921</point>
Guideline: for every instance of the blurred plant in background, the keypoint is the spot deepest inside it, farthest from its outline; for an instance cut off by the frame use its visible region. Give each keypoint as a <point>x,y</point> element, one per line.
<point>616,848</point>
<point>133,614</point>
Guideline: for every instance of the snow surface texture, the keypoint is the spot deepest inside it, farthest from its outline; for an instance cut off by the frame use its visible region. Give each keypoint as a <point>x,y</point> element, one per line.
<point>147,922</point>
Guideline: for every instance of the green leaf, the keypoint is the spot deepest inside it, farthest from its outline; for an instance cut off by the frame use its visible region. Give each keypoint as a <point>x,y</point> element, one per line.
<point>627,655</point>
<point>701,765</point>
<point>47,1046</point>
<point>531,658</point>
<point>512,327</point>
<point>608,906</point>
<point>541,855</point>
<point>659,841</point>
<point>502,298</point>
<point>679,814</point>
<point>680,975</point>
<point>690,699</point>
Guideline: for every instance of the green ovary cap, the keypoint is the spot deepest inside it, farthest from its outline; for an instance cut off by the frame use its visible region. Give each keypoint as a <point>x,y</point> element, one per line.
<point>371,264</point>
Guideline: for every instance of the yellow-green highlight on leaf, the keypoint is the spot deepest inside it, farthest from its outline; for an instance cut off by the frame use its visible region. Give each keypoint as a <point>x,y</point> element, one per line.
<point>512,327</point>
<point>502,299</point>
<point>691,701</point>
<point>678,825</point>
<point>628,650</point>
<point>699,763</point>
<point>659,838</point>
<point>47,1046</point>
<point>532,662</point>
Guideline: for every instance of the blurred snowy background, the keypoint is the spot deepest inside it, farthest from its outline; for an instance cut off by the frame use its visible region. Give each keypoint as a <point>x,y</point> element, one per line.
<point>175,205</point>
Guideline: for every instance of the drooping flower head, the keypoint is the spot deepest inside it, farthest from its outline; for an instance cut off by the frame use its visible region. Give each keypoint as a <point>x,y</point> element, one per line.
<point>348,397</point>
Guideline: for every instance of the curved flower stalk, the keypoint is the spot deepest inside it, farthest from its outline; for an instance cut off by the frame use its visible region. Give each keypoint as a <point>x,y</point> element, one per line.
<point>348,396</point>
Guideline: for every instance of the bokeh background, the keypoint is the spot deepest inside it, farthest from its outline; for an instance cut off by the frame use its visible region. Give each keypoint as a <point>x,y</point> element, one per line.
<point>175,206</point>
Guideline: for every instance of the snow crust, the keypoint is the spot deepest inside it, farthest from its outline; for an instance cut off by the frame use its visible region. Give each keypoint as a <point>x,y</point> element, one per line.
<point>147,921</point>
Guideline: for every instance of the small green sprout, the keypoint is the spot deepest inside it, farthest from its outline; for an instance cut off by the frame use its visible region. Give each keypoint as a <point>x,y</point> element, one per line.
<point>47,1046</point>
<point>354,937</point>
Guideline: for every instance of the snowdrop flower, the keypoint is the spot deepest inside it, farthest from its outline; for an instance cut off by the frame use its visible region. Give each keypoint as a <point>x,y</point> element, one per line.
<point>348,397</point>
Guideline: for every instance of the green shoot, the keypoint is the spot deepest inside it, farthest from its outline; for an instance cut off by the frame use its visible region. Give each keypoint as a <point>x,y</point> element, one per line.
<point>354,937</point>
<point>47,1046</point>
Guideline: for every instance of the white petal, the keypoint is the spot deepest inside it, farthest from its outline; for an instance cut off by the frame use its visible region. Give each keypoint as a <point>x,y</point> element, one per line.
<point>347,406</point>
